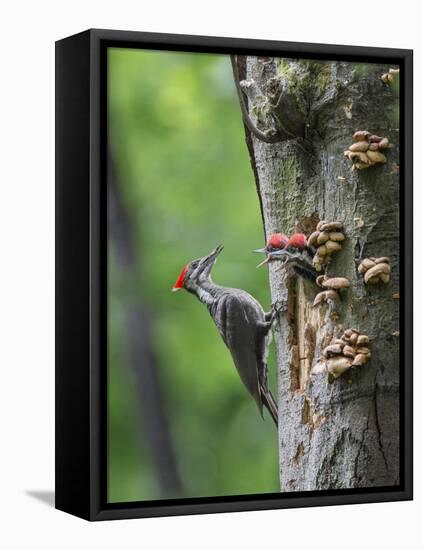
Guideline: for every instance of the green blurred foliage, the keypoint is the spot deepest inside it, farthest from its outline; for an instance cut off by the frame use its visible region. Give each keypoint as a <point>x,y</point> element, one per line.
<point>183,169</point>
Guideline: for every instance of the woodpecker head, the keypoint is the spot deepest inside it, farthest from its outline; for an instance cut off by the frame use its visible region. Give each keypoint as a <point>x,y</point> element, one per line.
<point>197,271</point>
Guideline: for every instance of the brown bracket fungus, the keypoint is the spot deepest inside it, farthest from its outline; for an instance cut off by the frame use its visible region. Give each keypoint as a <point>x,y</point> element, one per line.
<point>326,240</point>
<point>375,270</point>
<point>366,150</point>
<point>331,285</point>
<point>326,296</point>
<point>336,283</point>
<point>390,76</point>
<point>351,350</point>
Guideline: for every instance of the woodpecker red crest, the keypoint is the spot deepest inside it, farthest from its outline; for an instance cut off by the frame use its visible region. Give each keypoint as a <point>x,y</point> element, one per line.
<point>180,280</point>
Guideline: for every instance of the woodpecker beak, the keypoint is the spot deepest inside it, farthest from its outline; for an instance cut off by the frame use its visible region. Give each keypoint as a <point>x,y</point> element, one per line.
<point>208,262</point>
<point>274,255</point>
<point>264,262</point>
<point>260,251</point>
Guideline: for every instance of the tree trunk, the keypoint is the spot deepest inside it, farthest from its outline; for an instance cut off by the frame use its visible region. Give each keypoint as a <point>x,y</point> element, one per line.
<point>340,433</point>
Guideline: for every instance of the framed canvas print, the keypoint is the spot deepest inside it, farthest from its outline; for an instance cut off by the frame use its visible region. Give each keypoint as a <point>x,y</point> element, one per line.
<point>270,184</point>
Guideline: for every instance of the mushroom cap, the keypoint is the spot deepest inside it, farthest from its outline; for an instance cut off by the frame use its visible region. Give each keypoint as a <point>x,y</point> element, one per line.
<point>376,271</point>
<point>376,156</point>
<point>384,143</point>
<point>336,236</point>
<point>375,139</point>
<point>331,226</point>
<point>374,280</point>
<point>322,250</point>
<point>353,338</point>
<point>383,260</point>
<point>366,264</point>
<point>336,283</point>
<point>322,237</point>
<point>361,135</point>
<point>358,156</point>
<point>319,298</point>
<point>361,165</point>
<point>317,262</point>
<point>332,349</point>
<point>385,278</point>
<point>332,246</point>
<point>338,365</point>
<point>362,339</point>
<point>325,296</point>
<point>331,295</point>
<point>359,146</point>
<point>349,351</point>
<point>319,225</point>
<point>359,360</point>
<point>311,241</point>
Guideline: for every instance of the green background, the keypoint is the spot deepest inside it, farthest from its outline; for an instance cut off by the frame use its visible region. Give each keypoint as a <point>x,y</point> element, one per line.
<point>184,177</point>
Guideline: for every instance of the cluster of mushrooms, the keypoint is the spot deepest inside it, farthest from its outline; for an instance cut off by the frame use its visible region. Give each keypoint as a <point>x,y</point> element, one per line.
<point>390,76</point>
<point>351,350</point>
<point>331,286</point>
<point>375,270</point>
<point>326,240</point>
<point>366,150</point>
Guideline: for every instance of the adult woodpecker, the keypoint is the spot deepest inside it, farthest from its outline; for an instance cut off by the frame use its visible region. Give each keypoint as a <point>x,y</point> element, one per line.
<point>242,323</point>
<point>292,251</point>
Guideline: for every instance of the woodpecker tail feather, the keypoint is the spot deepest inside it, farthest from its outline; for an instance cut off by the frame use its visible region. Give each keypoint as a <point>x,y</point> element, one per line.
<point>270,404</point>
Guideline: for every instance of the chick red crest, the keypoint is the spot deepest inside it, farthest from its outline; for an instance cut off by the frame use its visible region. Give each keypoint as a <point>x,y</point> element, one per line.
<point>277,240</point>
<point>180,280</point>
<point>297,240</point>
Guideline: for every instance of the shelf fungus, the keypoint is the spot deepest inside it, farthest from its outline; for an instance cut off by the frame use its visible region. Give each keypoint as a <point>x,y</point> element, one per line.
<point>366,150</point>
<point>390,76</point>
<point>331,286</point>
<point>351,350</point>
<point>325,241</point>
<point>375,270</point>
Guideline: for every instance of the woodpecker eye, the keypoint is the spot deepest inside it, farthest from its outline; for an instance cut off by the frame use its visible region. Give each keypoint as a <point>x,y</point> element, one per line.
<point>195,263</point>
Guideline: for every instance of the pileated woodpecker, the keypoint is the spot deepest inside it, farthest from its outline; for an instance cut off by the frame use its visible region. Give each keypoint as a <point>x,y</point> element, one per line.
<point>242,323</point>
<point>292,251</point>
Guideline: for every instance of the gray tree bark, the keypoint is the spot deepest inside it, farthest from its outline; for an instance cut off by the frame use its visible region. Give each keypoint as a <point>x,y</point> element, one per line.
<point>342,433</point>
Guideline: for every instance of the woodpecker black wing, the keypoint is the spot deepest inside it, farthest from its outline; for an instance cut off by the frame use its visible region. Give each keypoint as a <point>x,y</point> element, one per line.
<point>236,314</point>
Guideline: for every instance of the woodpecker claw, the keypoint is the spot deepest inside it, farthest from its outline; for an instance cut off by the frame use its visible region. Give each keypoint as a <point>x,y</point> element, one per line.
<point>278,306</point>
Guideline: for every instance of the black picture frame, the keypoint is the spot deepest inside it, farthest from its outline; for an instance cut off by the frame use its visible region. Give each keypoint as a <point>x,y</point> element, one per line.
<point>81,274</point>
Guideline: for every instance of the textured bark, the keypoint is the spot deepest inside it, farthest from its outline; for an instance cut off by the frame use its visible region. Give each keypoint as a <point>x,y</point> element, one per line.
<point>344,433</point>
